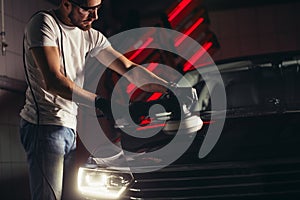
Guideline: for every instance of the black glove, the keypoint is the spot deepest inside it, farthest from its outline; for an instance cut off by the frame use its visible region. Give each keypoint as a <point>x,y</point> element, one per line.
<point>103,105</point>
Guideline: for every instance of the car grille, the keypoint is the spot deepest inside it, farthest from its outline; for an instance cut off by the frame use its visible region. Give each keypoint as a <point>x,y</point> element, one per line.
<point>268,179</point>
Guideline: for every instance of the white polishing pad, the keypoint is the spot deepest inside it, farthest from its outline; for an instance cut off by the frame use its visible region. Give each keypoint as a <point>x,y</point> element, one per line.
<point>188,125</point>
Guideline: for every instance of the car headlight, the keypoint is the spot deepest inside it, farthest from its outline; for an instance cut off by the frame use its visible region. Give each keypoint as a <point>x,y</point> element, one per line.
<point>103,183</point>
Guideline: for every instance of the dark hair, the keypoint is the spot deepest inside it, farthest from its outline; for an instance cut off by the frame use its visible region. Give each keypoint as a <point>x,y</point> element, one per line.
<point>81,2</point>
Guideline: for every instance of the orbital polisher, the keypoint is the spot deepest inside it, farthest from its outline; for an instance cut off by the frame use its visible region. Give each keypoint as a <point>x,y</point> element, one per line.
<point>180,111</point>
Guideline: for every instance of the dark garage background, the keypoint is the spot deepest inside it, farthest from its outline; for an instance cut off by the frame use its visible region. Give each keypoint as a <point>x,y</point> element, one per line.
<point>242,28</point>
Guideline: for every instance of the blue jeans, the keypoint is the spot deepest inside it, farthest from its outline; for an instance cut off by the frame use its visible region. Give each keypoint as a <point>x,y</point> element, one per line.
<point>50,153</point>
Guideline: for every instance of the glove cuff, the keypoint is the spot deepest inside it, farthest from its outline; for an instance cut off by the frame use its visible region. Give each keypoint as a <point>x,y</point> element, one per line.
<point>98,102</point>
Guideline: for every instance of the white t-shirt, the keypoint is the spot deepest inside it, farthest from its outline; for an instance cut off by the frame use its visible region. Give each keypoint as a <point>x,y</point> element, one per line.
<point>42,30</point>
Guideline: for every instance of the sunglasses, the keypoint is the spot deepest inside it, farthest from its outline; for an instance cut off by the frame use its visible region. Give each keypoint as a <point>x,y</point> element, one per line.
<point>86,9</point>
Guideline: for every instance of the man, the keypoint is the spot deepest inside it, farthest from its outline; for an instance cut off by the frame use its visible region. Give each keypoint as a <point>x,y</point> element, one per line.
<point>56,43</point>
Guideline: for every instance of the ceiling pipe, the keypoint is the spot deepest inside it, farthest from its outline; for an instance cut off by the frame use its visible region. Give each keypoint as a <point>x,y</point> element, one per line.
<point>3,42</point>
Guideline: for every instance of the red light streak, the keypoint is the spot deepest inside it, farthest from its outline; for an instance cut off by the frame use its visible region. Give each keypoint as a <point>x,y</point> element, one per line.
<point>150,127</point>
<point>145,120</point>
<point>209,122</point>
<point>130,88</point>
<point>154,96</point>
<point>147,42</point>
<point>196,56</point>
<point>162,125</point>
<point>178,9</point>
<point>189,31</point>
<point>152,66</point>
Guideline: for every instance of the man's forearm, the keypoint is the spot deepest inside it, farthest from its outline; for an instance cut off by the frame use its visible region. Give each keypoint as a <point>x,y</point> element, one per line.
<point>145,79</point>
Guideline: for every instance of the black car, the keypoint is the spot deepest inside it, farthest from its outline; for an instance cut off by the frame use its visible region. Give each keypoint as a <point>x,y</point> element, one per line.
<point>254,155</point>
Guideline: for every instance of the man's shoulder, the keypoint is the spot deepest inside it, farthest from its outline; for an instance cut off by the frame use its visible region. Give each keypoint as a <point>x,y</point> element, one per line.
<point>41,17</point>
<point>42,14</point>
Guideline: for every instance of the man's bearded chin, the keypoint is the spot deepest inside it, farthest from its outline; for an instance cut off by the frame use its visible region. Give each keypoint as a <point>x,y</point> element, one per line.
<point>80,26</point>
<point>86,28</point>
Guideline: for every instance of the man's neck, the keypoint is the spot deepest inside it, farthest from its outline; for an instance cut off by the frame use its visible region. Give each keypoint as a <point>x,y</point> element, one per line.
<point>64,19</point>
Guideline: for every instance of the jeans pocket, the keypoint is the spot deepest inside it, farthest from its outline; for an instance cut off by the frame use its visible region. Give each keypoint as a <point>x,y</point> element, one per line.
<point>53,139</point>
<point>27,133</point>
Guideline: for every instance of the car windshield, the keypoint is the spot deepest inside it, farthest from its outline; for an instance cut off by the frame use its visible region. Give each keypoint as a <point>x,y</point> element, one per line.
<point>253,85</point>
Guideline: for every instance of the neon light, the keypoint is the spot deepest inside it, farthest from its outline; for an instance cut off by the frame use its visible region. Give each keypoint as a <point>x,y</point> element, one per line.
<point>178,9</point>
<point>189,31</point>
<point>209,122</point>
<point>149,127</point>
<point>196,56</point>
<point>152,66</point>
<point>154,96</point>
<point>130,88</point>
<point>145,121</point>
<point>147,42</point>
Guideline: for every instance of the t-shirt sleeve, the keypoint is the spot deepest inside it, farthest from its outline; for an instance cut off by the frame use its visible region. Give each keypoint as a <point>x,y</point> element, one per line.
<point>101,43</point>
<point>41,31</point>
